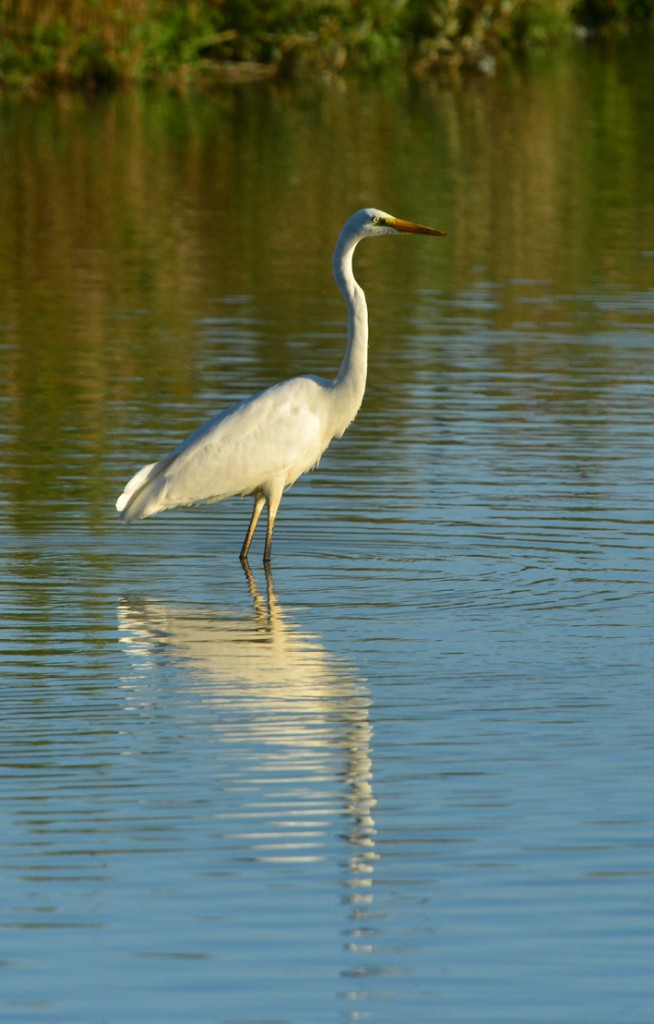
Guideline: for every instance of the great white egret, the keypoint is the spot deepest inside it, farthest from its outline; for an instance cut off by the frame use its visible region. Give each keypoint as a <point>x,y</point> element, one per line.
<point>262,445</point>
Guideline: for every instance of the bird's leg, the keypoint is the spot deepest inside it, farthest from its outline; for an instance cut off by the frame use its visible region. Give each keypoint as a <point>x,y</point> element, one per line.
<point>273,505</point>
<point>259,502</point>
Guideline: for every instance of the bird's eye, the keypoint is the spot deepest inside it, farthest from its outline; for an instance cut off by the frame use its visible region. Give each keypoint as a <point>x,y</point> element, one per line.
<point>378,221</point>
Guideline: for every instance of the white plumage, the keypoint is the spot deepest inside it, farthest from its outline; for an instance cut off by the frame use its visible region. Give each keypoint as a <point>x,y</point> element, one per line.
<point>262,445</point>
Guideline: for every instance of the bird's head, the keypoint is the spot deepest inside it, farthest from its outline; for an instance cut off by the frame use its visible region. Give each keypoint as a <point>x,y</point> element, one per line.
<point>372,222</point>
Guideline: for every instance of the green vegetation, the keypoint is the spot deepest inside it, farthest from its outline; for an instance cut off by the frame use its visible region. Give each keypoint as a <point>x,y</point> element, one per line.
<point>103,42</point>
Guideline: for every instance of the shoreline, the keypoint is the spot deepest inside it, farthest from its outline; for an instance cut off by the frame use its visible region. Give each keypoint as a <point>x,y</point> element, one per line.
<point>117,43</point>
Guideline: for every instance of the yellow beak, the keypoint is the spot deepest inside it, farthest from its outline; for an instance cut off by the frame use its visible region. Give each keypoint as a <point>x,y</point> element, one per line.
<point>411,228</point>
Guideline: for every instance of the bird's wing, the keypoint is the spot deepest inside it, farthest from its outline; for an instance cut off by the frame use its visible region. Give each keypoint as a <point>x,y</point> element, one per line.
<point>274,436</point>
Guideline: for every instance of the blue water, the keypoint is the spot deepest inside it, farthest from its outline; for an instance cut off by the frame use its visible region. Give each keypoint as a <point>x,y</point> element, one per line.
<point>412,780</point>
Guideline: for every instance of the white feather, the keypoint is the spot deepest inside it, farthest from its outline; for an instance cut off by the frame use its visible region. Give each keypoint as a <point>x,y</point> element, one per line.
<point>262,445</point>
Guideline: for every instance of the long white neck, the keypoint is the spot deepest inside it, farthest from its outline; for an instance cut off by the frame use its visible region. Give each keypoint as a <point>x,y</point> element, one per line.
<point>350,383</point>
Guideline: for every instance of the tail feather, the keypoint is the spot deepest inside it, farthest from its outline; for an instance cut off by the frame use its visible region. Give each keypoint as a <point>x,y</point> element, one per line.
<point>128,504</point>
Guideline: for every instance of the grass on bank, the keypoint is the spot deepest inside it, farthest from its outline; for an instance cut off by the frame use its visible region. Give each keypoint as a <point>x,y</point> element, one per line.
<point>97,43</point>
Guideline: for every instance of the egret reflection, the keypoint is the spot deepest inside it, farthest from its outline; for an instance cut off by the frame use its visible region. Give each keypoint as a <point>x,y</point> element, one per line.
<point>288,723</point>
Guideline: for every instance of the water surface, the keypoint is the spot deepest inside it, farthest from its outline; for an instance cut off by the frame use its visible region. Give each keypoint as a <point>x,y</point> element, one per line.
<point>409,775</point>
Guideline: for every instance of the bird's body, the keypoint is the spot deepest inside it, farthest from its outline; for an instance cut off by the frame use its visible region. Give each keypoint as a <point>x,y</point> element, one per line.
<point>231,454</point>
<point>262,445</point>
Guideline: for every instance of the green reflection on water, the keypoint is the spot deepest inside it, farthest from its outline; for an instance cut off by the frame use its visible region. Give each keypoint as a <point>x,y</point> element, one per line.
<point>162,255</point>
